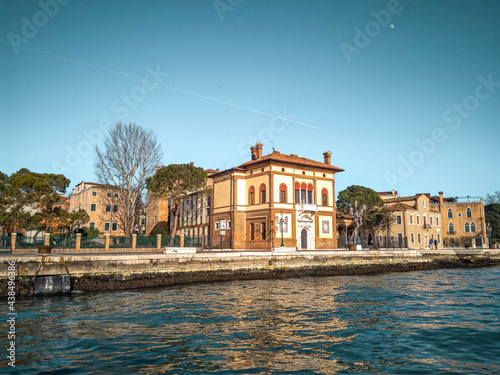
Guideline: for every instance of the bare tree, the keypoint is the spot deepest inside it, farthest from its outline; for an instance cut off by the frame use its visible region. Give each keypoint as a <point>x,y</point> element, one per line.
<point>130,155</point>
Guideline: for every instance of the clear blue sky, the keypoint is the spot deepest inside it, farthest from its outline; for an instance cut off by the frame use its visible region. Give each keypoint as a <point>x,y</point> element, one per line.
<point>423,71</point>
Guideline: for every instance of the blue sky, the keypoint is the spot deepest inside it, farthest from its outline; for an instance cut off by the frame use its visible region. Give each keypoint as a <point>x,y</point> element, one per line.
<point>405,94</point>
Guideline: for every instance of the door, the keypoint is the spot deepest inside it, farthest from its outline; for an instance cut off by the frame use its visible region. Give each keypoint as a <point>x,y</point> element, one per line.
<point>303,239</point>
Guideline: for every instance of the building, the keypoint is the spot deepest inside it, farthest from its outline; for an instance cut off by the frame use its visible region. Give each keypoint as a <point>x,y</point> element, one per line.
<point>101,203</point>
<point>416,220</point>
<point>275,198</point>
<point>422,218</point>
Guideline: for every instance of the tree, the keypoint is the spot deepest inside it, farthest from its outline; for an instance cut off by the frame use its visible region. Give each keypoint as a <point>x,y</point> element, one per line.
<point>77,218</point>
<point>175,182</point>
<point>374,217</point>
<point>493,198</point>
<point>29,198</point>
<point>130,155</point>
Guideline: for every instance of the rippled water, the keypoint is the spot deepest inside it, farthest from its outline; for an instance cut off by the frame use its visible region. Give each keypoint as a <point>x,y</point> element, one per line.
<point>433,322</point>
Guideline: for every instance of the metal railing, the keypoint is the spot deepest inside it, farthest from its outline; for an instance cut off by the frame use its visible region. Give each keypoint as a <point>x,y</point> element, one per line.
<point>115,242</point>
<point>5,242</point>
<point>63,241</point>
<point>92,242</point>
<point>146,241</point>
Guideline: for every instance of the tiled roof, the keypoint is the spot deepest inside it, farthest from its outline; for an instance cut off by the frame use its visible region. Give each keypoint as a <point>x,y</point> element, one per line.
<point>400,207</point>
<point>399,199</point>
<point>277,156</point>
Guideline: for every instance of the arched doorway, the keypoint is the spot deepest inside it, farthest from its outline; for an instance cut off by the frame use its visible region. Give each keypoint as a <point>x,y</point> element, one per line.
<point>303,239</point>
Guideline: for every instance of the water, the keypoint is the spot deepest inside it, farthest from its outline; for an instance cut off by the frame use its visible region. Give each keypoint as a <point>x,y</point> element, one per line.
<point>428,322</point>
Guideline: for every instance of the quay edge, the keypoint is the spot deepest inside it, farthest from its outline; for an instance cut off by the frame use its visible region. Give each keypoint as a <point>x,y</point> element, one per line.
<point>106,271</point>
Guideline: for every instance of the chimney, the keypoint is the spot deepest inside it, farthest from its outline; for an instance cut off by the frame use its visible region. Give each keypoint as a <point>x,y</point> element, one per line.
<point>328,157</point>
<point>441,200</point>
<point>254,153</point>
<point>258,149</point>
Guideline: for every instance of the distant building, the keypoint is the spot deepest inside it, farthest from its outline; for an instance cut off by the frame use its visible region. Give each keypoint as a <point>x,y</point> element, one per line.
<point>101,203</point>
<point>256,204</point>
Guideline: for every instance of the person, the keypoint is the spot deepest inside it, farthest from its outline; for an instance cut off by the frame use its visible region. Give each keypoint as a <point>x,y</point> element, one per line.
<point>430,243</point>
<point>436,243</point>
<point>370,242</point>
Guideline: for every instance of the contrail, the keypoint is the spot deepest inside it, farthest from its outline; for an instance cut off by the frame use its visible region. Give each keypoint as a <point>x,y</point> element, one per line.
<point>166,86</point>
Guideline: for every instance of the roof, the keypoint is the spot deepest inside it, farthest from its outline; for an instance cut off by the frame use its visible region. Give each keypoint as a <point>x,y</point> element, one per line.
<point>279,157</point>
<point>400,207</point>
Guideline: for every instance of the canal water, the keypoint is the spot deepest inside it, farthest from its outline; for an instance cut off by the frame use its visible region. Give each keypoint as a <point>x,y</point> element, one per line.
<point>426,322</point>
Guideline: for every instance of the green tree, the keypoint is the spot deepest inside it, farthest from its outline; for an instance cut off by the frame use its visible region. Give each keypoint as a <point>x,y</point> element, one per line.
<point>28,198</point>
<point>374,216</point>
<point>492,213</point>
<point>130,155</point>
<point>175,182</point>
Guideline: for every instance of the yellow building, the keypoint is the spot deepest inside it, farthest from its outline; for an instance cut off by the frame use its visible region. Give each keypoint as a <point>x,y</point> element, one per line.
<point>274,197</point>
<point>101,203</point>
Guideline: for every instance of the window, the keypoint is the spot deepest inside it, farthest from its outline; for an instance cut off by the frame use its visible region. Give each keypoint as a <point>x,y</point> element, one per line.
<point>310,194</point>
<point>450,213</point>
<point>412,236</point>
<point>114,227</point>
<point>424,217</point>
<point>437,220</point>
<point>468,213</point>
<point>451,228</point>
<point>423,203</point>
<point>217,225</point>
<point>94,193</point>
<point>262,193</point>
<point>419,237</point>
<point>467,228</point>
<point>93,207</point>
<point>251,195</point>
<point>418,219</point>
<point>263,225</point>
<point>229,224</point>
<point>115,208</point>
<point>108,208</point>
<point>430,220</point>
<point>252,231</point>
<point>411,218</point>
<point>398,219</point>
<point>297,192</point>
<point>108,195</point>
<point>303,189</point>
<point>400,238</point>
<point>282,193</point>
<point>207,211</point>
<point>473,227</point>
<point>324,197</point>
<point>439,238</point>
<point>116,195</point>
<point>106,227</point>
<point>92,224</point>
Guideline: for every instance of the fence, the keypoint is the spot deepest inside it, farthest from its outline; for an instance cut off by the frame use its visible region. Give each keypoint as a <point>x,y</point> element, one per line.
<point>192,242</point>
<point>458,242</point>
<point>343,242</point>
<point>68,242</point>
<point>171,242</point>
<point>5,242</point>
<point>115,242</point>
<point>146,241</point>
<point>23,242</point>
<point>92,242</point>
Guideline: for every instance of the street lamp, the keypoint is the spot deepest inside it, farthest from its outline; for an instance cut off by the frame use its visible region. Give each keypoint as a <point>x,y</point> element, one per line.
<point>282,221</point>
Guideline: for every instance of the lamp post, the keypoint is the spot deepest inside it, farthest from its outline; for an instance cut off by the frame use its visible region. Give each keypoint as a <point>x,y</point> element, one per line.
<point>282,221</point>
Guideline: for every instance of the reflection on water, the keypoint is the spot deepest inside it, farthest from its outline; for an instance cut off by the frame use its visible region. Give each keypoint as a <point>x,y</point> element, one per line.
<point>421,322</point>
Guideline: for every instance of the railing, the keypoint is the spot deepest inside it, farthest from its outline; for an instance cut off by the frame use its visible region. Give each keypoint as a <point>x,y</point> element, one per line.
<point>23,242</point>
<point>427,226</point>
<point>115,242</point>
<point>306,207</point>
<point>63,241</point>
<point>192,241</point>
<point>5,242</point>
<point>92,242</point>
<point>168,241</point>
<point>146,241</point>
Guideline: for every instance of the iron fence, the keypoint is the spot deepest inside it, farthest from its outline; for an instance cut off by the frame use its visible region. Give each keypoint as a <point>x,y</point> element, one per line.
<point>192,241</point>
<point>115,242</point>
<point>92,242</point>
<point>383,242</point>
<point>170,242</point>
<point>63,241</point>
<point>24,242</point>
<point>146,241</point>
<point>458,242</point>
<point>5,242</point>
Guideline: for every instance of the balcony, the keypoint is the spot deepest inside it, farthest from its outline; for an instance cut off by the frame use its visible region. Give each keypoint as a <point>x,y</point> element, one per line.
<point>427,226</point>
<point>306,207</point>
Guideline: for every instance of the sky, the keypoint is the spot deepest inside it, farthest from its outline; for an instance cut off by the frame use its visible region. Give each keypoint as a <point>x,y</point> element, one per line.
<point>405,94</point>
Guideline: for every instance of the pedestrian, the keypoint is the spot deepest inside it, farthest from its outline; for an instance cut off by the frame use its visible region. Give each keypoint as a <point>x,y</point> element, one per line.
<point>430,243</point>
<point>436,243</point>
<point>370,242</point>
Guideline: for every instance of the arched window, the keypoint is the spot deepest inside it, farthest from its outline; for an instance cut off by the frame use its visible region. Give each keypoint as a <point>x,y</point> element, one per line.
<point>262,193</point>
<point>324,197</point>
<point>310,194</point>
<point>468,212</point>
<point>283,193</point>
<point>467,228</point>
<point>303,189</point>
<point>473,227</point>
<point>423,203</point>
<point>451,228</point>
<point>251,195</point>
<point>450,213</point>
<point>297,193</point>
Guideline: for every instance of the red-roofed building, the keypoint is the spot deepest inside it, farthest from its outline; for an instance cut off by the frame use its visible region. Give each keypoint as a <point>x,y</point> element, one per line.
<point>273,197</point>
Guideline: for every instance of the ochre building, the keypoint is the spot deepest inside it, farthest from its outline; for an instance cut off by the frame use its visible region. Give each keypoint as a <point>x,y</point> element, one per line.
<point>275,201</point>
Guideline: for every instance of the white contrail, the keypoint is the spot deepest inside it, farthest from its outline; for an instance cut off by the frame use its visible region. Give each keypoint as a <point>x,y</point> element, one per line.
<point>166,86</point>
